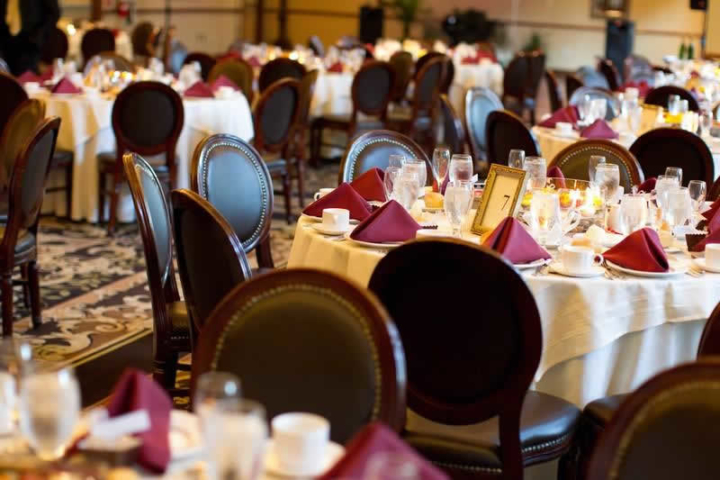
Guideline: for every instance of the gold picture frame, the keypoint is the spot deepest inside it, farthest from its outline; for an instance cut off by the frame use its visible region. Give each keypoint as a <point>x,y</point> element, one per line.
<point>504,190</point>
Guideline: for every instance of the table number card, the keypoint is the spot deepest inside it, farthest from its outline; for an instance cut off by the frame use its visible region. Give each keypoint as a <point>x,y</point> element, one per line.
<point>504,190</point>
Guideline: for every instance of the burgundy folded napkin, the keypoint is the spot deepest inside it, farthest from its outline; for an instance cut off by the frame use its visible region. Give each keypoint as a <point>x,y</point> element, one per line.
<point>336,67</point>
<point>230,55</point>
<point>648,185</point>
<point>568,114</point>
<point>555,172</point>
<point>389,223</point>
<point>65,86</point>
<point>343,196</point>
<point>371,440</point>
<point>512,241</point>
<point>470,60</point>
<point>642,86</point>
<point>29,76</point>
<point>254,62</point>
<point>199,89</point>
<point>713,237</point>
<point>47,75</point>
<point>137,391</point>
<point>370,185</point>
<point>641,251</point>
<point>599,129</point>
<point>223,81</point>
<point>708,214</point>
<point>713,223</point>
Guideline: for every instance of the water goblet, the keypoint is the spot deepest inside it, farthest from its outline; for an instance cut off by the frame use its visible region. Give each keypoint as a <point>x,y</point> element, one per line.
<point>545,217</point>
<point>458,198</point>
<point>599,108</point>
<point>679,209</point>
<point>406,188</point>
<point>391,174</point>
<point>673,104</point>
<point>594,161</point>
<point>633,212</point>
<point>674,172</point>
<point>585,110</point>
<point>607,176</point>
<point>419,167</point>
<point>440,165</point>
<point>396,161</point>
<point>516,159</point>
<point>213,389</point>
<point>461,167</point>
<point>697,190</point>
<point>536,167</point>
<point>706,123</point>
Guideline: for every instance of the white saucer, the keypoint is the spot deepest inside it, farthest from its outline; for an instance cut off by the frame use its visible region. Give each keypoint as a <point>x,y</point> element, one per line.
<point>320,228</point>
<point>559,268</point>
<point>333,453</point>
<point>371,244</point>
<point>537,263</point>
<point>700,262</point>
<point>638,273</point>
<point>319,219</point>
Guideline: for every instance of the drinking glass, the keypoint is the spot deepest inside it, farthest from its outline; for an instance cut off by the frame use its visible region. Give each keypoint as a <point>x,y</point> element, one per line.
<point>598,107</point>
<point>391,174</point>
<point>679,208</point>
<point>406,188</point>
<point>585,110</point>
<point>391,466</point>
<point>214,388</point>
<point>706,123</point>
<point>594,161</point>
<point>545,219</point>
<point>675,172</point>
<point>49,410</point>
<point>607,176</point>
<point>674,104</point>
<point>419,167</point>
<point>697,190</point>
<point>461,167</point>
<point>516,159</point>
<point>663,186</point>
<point>633,211</point>
<point>536,168</point>
<point>684,106</point>
<point>396,161</point>
<point>440,165</point>
<point>458,198</point>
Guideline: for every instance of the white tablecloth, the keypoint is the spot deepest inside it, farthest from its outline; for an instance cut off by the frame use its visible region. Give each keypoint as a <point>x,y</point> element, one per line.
<point>86,130</point>
<point>600,336</point>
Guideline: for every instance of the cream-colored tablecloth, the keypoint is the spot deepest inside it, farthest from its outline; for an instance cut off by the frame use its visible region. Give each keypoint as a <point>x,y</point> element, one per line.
<point>600,336</point>
<point>86,130</point>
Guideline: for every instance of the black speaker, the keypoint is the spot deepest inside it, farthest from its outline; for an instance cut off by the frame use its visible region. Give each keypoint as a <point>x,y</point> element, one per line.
<point>371,24</point>
<point>698,4</point>
<point>619,39</point>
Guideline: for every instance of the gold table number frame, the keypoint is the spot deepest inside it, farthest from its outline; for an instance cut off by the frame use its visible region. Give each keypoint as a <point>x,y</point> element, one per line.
<point>504,190</point>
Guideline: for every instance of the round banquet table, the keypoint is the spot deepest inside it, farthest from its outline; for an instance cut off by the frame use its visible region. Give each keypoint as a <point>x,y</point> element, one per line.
<point>600,336</point>
<point>551,144</point>
<point>86,130</point>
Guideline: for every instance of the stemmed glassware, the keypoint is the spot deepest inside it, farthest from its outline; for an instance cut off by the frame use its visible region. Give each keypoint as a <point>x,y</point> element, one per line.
<point>458,198</point>
<point>545,217</point>
<point>679,208</point>
<point>697,190</point>
<point>706,123</point>
<point>633,211</point>
<point>675,172</point>
<point>607,176</point>
<point>536,168</point>
<point>440,165</point>
<point>214,388</point>
<point>594,161</point>
<point>419,167</point>
<point>395,165</point>
<point>516,159</point>
<point>406,188</point>
<point>461,167</point>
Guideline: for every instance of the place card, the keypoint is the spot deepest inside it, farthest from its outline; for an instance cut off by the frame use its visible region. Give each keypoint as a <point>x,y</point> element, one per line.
<point>504,190</point>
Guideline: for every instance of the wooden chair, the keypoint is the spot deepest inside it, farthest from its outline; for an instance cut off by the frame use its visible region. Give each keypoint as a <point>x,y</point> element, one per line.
<point>479,103</point>
<point>469,408</point>
<point>13,95</point>
<point>329,344</point>
<point>206,63</point>
<point>452,131</point>
<point>144,40</point>
<point>372,90</point>
<point>574,159</point>
<point>536,61</point>
<point>505,131</point>
<point>515,83</point>
<point>55,46</point>
<point>554,94</point>
<point>18,246</point>
<point>147,118</point>
<point>661,95</point>
<point>211,258</point>
<point>403,64</point>
<point>666,429</point>
<point>172,334</point>
<point>613,104</point>
<point>316,45</point>
<point>232,176</point>
<point>672,147</point>
<point>95,41</point>
<point>279,69</point>
<point>607,68</point>
<point>237,70</point>
<point>23,122</point>
<point>275,119</point>
<point>307,91</point>
<point>572,83</point>
<point>373,150</point>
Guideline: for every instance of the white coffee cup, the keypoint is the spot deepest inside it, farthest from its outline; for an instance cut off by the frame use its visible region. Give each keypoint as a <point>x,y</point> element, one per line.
<point>322,192</point>
<point>300,440</point>
<point>712,255</point>
<point>564,128</point>
<point>336,219</point>
<point>579,260</point>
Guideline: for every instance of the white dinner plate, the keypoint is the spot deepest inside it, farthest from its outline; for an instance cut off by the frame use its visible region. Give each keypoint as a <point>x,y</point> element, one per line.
<point>611,239</point>
<point>333,453</point>
<point>537,263</point>
<point>674,271</point>
<point>700,262</point>
<point>320,228</point>
<point>319,219</point>
<point>185,435</point>
<point>559,268</point>
<point>371,244</point>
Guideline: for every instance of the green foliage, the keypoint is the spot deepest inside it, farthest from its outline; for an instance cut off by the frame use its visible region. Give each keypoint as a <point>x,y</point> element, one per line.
<point>534,43</point>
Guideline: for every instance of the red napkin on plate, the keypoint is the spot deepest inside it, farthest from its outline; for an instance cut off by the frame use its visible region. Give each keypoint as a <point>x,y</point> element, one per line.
<point>336,67</point>
<point>223,81</point>
<point>648,185</point>
<point>46,75</point>
<point>568,114</point>
<point>29,76</point>
<point>708,214</point>
<point>599,129</point>
<point>641,251</point>
<point>65,86</point>
<point>137,391</point>
<point>512,241</point>
<point>642,86</point>
<point>371,440</point>
<point>254,62</point>
<point>555,172</point>
<point>343,196</point>
<point>370,185</point>
<point>470,60</point>
<point>199,89</point>
<point>389,223</point>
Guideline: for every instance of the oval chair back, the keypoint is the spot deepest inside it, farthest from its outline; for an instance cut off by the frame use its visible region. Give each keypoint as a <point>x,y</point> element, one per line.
<point>479,103</point>
<point>505,131</point>
<point>661,95</point>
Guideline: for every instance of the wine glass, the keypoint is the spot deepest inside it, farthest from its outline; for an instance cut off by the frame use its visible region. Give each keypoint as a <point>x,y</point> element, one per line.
<point>536,167</point>
<point>545,216</point>
<point>679,208</point>
<point>214,388</point>
<point>15,363</point>
<point>675,172</point>
<point>516,159</point>
<point>461,167</point>
<point>594,161</point>
<point>391,466</point>
<point>406,188</point>
<point>396,161</point>
<point>706,123</point>
<point>49,411</point>
<point>419,167</point>
<point>440,164</point>
<point>673,104</point>
<point>697,190</point>
<point>607,176</point>
<point>633,211</point>
<point>598,107</point>
<point>458,198</point>
<point>391,174</point>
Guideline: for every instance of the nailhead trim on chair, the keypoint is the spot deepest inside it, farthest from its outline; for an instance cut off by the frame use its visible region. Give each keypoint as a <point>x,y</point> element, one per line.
<point>594,148</point>
<point>258,169</point>
<point>239,317</point>
<point>350,167</point>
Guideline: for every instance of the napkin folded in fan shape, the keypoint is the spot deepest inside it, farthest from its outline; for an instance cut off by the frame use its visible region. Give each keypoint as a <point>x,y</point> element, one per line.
<point>713,237</point>
<point>336,67</point>
<point>136,391</point>
<point>343,196</point>
<point>370,185</point>
<point>65,86</point>
<point>199,89</point>
<point>223,81</point>
<point>374,439</point>
<point>555,172</point>
<point>389,223</point>
<point>254,62</point>
<point>648,185</point>
<point>642,86</point>
<point>512,241</point>
<point>599,129</point>
<point>713,223</point>
<point>640,251</point>
<point>29,76</point>
<point>567,114</point>
<point>710,213</point>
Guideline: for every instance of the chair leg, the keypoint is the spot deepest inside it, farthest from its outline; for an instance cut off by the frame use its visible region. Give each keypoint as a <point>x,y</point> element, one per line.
<point>300,166</point>
<point>34,282</point>
<point>114,200</point>
<point>24,271</point>
<point>101,198</point>
<point>286,193</point>
<point>7,303</point>
<point>68,190</point>
<point>165,371</point>
<point>264,253</point>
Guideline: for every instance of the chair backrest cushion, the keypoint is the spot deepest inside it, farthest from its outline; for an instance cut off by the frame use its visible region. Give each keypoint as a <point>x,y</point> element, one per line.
<point>505,131</point>
<point>373,149</point>
<point>479,102</point>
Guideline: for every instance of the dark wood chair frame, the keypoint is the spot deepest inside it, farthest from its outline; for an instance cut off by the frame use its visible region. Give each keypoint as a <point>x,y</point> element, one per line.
<point>206,62</point>
<point>664,93</point>
<point>610,72</point>
<point>507,116</point>
<point>264,83</point>
<point>553,87</point>
<point>88,43</point>
<point>217,70</point>
<point>455,122</point>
